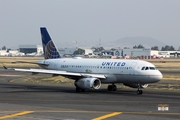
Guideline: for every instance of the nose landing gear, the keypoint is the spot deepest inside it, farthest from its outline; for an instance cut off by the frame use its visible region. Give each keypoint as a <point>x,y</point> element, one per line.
<point>139,91</point>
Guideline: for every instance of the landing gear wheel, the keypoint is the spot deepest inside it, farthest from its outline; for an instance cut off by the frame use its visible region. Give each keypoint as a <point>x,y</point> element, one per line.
<point>112,88</point>
<point>79,89</point>
<point>140,92</point>
<point>109,87</point>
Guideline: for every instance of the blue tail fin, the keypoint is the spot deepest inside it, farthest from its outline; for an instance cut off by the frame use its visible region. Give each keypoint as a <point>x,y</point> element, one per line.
<point>49,48</point>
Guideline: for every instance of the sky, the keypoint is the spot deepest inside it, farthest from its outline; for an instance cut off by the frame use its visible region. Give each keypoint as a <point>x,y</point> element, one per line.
<point>78,23</point>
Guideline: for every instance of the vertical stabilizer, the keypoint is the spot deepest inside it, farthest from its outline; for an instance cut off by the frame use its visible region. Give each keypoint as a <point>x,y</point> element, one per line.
<point>49,48</point>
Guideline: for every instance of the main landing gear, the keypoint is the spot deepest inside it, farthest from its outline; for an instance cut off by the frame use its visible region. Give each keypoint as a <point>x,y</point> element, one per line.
<point>79,89</point>
<point>139,91</point>
<point>112,87</point>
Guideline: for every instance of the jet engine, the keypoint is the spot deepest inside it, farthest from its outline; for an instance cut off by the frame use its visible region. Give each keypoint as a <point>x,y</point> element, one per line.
<point>88,83</point>
<point>136,85</point>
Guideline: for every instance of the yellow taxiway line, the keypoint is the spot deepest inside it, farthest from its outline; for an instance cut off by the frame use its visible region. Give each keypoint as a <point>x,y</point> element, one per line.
<point>107,116</point>
<point>15,114</point>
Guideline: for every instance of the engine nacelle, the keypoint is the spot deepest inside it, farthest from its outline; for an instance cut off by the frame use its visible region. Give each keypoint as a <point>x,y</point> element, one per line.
<point>136,85</point>
<point>88,83</point>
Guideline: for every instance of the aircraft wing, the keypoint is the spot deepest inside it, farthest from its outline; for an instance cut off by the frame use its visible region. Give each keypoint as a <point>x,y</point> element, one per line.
<point>61,73</point>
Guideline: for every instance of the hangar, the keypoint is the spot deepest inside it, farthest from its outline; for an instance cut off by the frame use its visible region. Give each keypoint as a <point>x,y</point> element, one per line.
<point>31,49</point>
<point>144,53</point>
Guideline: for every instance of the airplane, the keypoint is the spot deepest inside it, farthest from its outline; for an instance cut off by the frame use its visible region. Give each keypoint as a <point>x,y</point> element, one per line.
<point>91,73</point>
<point>31,54</point>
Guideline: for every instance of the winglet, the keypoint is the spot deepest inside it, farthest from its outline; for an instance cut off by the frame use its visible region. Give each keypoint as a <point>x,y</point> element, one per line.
<point>49,48</point>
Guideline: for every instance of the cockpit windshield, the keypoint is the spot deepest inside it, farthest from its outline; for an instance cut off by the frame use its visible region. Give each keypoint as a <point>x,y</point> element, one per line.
<point>143,68</point>
<point>148,68</point>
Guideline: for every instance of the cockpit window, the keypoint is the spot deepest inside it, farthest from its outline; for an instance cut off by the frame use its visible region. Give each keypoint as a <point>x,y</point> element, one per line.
<point>143,68</point>
<point>152,68</point>
<point>147,68</point>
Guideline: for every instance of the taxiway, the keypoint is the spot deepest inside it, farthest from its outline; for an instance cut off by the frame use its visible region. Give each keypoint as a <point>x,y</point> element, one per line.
<point>61,102</point>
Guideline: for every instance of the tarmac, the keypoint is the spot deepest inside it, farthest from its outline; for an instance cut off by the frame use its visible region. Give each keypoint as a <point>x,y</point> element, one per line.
<point>61,102</point>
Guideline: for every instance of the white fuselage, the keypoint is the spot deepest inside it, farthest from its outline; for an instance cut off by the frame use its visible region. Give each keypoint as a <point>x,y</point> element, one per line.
<point>115,70</point>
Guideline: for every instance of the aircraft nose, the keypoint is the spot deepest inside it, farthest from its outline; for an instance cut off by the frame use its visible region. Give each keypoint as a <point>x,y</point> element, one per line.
<point>158,76</point>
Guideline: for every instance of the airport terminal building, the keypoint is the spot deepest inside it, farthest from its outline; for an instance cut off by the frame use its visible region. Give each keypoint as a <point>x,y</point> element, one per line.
<point>147,53</point>
<point>143,53</point>
<point>139,53</point>
<point>27,49</point>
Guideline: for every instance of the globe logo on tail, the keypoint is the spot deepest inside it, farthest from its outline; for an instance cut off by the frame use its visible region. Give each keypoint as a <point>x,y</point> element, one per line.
<point>51,51</point>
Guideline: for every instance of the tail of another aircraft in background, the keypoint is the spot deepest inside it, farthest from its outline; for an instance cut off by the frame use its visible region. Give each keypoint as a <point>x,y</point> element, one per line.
<point>49,48</point>
<point>4,66</point>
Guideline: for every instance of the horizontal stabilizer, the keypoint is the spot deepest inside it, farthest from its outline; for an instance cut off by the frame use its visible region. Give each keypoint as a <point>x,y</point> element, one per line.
<point>37,63</point>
